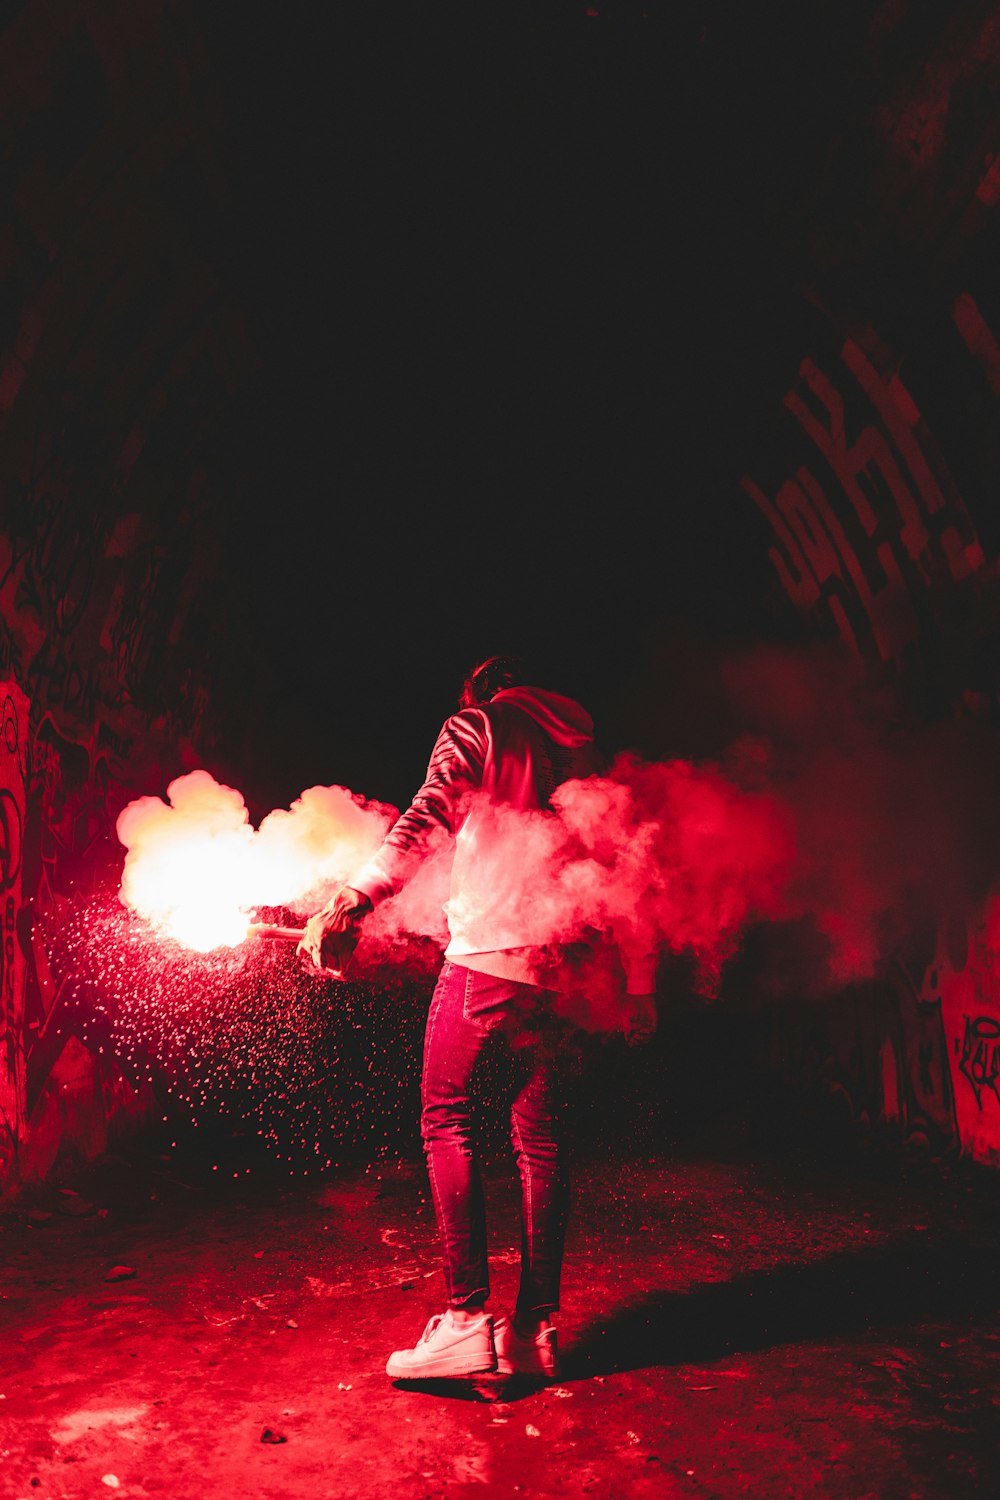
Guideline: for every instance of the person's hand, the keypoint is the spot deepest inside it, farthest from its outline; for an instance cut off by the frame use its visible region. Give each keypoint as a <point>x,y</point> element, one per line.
<point>638,1018</point>
<point>331,934</point>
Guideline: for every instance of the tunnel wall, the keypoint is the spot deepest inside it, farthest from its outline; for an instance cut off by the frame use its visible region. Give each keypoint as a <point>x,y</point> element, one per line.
<point>119,351</point>
<point>876,483</point>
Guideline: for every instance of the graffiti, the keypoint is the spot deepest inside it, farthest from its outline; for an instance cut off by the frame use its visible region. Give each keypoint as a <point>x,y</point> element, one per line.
<point>82,615</point>
<point>13,780</point>
<point>978,336</point>
<point>893,527</point>
<point>60,568</point>
<point>11,657</point>
<point>119,366</point>
<point>868,534</point>
<point>91,601</point>
<point>127,627</point>
<point>61,683</point>
<point>11,838</point>
<point>58,803</point>
<point>919,1042</point>
<point>965,975</point>
<point>89,613</point>
<point>878,1054</point>
<point>979,1061</point>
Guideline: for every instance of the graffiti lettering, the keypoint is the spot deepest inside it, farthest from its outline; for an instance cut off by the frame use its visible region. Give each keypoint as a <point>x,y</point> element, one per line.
<point>61,681</point>
<point>980,1056</point>
<point>10,653</point>
<point>130,633</point>
<point>11,839</point>
<point>115,747</point>
<point>63,571</point>
<point>893,525</point>
<point>7,975</point>
<point>869,457</point>
<point>978,336</point>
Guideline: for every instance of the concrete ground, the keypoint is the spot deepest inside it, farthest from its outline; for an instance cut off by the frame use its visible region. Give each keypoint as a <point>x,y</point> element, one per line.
<point>736,1322</point>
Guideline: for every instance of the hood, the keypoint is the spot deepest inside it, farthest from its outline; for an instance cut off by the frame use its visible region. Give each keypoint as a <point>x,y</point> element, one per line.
<point>563,720</point>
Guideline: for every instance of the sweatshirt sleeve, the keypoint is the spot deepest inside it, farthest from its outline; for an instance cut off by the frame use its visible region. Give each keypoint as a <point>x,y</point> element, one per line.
<point>455,771</point>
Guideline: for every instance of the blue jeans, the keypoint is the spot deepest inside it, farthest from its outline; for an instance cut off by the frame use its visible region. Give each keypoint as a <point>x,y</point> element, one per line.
<point>468,1012</point>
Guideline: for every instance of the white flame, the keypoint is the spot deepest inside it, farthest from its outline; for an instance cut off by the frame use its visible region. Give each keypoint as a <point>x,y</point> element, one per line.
<point>196,868</point>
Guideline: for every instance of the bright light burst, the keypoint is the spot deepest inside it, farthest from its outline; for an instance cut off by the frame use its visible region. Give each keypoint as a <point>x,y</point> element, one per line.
<point>196,869</point>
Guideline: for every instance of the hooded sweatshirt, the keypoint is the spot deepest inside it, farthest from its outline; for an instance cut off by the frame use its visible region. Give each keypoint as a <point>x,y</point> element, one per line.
<point>491,774</point>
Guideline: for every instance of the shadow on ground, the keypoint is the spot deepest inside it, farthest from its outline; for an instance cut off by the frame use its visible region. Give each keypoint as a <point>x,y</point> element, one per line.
<point>879,1290</point>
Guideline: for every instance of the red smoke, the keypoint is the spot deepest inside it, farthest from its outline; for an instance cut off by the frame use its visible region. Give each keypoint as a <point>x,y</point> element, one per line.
<point>837,810</point>
<point>667,855</point>
<point>895,817</point>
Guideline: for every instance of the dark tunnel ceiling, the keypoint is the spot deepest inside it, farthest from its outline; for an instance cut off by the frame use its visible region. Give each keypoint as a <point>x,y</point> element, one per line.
<point>512,248</point>
<point>523,281</point>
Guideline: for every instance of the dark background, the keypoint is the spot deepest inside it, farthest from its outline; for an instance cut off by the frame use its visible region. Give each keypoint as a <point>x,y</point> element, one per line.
<point>524,282</point>
<point>529,284</point>
<point>340,346</point>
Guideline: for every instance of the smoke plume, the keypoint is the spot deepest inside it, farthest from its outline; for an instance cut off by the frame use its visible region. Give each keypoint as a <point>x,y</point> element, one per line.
<point>838,810</point>
<point>896,814</point>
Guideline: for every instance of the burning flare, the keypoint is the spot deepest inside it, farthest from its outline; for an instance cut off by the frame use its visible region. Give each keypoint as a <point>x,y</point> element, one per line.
<point>196,868</point>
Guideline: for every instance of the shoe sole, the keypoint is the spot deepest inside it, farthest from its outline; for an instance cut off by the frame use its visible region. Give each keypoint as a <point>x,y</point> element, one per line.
<point>438,1368</point>
<point>504,1367</point>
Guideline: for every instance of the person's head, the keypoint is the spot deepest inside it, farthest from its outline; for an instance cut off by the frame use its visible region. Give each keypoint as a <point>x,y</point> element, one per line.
<point>489,677</point>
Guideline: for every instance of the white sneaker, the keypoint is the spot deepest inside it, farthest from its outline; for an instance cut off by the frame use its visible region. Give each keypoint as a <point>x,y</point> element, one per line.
<point>537,1356</point>
<point>447,1348</point>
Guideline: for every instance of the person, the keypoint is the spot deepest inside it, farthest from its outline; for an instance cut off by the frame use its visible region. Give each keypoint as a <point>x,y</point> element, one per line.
<point>503,753</point>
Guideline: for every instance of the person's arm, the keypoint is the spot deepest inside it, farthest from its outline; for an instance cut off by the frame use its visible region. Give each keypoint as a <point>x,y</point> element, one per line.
<point>455,771</point>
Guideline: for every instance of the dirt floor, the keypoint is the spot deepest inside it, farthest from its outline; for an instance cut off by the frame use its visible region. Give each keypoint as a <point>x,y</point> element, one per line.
<point>735,1323</point>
